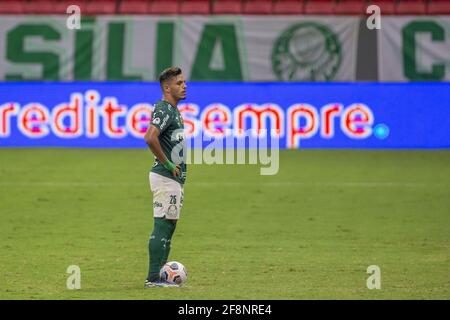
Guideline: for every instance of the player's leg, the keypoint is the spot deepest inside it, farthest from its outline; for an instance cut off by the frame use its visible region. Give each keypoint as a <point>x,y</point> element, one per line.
<point>161,229</point>
<point>167,203</point>
<point>157,247</point>
<point>168,242</point>
<point>174,211</point>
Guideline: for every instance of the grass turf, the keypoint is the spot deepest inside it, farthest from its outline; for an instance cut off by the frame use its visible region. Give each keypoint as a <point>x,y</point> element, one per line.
<point>309,232</point>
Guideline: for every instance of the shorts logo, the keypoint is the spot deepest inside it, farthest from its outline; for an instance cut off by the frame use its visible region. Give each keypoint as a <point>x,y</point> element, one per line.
<point>172,211</point>
<point>157,204</point>
<point>306,51</point>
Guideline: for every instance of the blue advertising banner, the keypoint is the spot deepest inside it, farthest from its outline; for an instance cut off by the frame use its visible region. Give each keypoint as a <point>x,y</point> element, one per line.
<point>300,115</point>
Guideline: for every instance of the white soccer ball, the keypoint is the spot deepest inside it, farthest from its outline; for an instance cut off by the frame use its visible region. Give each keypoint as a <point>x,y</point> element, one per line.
<point>173,272</point>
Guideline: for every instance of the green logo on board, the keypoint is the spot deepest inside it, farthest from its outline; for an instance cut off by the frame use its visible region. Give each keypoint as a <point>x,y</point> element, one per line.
<point>306,51</point>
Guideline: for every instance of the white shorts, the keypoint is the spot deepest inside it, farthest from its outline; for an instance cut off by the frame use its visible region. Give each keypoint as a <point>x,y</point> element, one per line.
<point>167,197</point>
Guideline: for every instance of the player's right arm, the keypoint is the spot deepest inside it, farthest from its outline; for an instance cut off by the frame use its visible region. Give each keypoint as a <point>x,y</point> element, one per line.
<point>151,138</point>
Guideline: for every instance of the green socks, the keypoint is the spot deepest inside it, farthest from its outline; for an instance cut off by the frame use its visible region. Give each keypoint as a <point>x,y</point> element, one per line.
<point>159,246</point>
<point>172,226</point>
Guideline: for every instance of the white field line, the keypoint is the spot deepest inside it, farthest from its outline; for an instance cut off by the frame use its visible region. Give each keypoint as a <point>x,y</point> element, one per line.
<point>206,184</point>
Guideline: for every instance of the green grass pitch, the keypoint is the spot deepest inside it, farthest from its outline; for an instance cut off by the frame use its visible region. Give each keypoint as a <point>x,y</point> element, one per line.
<point>309,232</point>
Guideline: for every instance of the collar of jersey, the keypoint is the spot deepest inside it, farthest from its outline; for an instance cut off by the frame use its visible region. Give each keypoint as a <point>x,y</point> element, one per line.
<point>168,103</point>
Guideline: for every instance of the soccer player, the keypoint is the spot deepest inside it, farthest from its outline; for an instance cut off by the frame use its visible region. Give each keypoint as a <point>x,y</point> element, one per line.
<point>165,138</point>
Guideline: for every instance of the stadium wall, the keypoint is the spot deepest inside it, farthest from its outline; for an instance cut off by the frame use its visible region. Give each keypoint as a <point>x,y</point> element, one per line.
<point>225,48</point>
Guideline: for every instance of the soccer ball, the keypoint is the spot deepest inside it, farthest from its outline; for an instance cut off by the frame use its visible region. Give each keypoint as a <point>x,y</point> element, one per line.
<point>173,272</point>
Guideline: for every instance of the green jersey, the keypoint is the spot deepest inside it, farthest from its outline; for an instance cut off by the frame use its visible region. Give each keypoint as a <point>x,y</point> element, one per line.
<point>169,121</point>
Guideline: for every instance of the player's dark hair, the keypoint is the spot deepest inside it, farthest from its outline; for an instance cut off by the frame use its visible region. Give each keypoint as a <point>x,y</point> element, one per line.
<point>168,74</point>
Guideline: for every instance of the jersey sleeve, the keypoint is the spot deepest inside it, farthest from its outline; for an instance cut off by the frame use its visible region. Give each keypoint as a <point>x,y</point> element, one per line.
<point>161,117</point>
